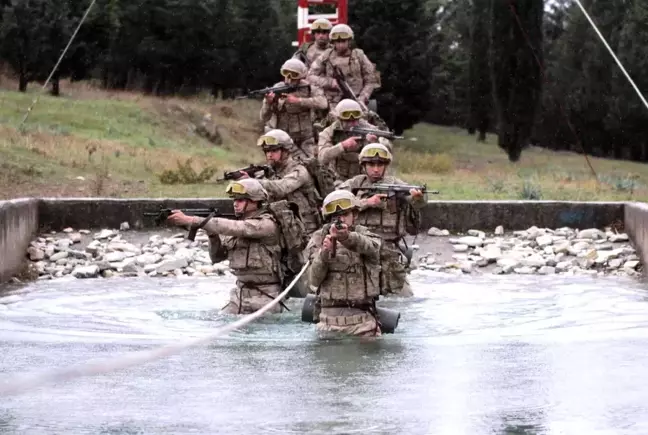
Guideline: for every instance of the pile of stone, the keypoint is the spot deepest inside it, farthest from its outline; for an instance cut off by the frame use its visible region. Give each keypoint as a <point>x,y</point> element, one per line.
<point>108,254</point>
<point>538,251</point>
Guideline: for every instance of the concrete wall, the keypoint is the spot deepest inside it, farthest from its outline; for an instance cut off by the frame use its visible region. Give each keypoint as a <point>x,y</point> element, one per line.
<point>636,225</point>
<point>18,225</point>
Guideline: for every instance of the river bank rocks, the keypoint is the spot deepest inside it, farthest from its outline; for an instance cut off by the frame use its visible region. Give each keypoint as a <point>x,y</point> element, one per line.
<point>536,250</point>
<point>105,253</point>
<point>111,252</point>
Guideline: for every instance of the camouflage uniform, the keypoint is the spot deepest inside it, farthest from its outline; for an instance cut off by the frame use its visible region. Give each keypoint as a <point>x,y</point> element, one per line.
<point>359,72</point>
<point>388,221</point>
<point>296,119</point>
<point>348,284</point>
<point>252,246</point>
<point>295,184</point>
<point>330,150</point>
<point>309,51</point>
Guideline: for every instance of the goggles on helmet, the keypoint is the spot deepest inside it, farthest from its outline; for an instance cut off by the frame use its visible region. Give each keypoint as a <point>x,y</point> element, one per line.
<point>236,189</point>
<point>290,74</point>
<point>374,152</point>
<point>268,140</point>
<point>336,205</point>
<point>340,36</point>
<point>350,114</point>
<point>325,27</point>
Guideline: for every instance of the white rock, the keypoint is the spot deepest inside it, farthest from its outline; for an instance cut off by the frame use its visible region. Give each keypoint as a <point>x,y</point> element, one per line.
<point>578,248</point>
<point>524,270</point>
<point>185,253</point>
<point>499,230</point>
<point>546,270</point>
<point>104,234</point>
<point>545,240</point>
<point>630,265</point>
<point>68,230</point>
<point>615,263</point>
<point>591,233</point>
<point>146,259</point>
<point>59,256</point>
<point>472,241</point>
<point>533,260</point>
<point>614,238</point>
<point>460,248</point>
<point>564,265</point>
<point>84,232</point>
<point>123,246</point>
<point>434,231</point>
<point>94,247</point>
<point>170,265</point>
<point>35,254</point>
<point>86,271</point>
<point>124,226</point>
<point>113,257</point>
<point>63,244</point>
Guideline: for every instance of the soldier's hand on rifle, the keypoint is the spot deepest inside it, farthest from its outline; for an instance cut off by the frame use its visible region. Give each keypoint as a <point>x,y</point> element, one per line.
<point>243,174</point>
<point>327,243</point>
<point>351,143</point>
<point>416,193</point>
<point>372,138</point>
<point>270,97</point>
<point>340,233</point>
<point>376,200</point>
<point>179,219</point>
<point>292,99</point>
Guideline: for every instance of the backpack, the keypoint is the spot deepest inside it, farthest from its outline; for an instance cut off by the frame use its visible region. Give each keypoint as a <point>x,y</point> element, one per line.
<point>293,240</point>
<point>323,177</point>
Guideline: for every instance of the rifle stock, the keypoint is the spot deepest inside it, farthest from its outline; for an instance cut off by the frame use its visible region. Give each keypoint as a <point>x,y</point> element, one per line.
<point>277,90</point>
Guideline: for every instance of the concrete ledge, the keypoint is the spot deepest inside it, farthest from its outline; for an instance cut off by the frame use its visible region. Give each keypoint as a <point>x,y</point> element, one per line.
<point>636,225</point>
<point>18,224</point>
<point>520,215</point>
<point>58,213</point>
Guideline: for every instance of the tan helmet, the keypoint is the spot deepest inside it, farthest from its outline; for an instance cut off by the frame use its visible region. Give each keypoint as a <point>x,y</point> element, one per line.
<point>375,152</point>
<point>321,24</point>
<point>341,31</point>
<point>338,201</point>
<point>348,109</point>
<point>294,66</point>
<point>275,139</point>
<point>247,188</point>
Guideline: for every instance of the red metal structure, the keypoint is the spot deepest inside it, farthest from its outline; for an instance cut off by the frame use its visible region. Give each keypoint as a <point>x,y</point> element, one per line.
<point>304,19</point>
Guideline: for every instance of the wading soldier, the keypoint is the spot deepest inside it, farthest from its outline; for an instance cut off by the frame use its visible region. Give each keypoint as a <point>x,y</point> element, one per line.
<point>388,218</point>
<point>251,244</point>
<point>345,270</point>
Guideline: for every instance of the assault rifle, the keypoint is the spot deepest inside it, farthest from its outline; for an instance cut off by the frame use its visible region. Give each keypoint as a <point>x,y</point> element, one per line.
<point>338,225</point>
<point>251,170</point>
<point>393,190</point>
<point>278,90</point>
<point>208,213</point>
<point>361,131</point>
<point>344,87</point>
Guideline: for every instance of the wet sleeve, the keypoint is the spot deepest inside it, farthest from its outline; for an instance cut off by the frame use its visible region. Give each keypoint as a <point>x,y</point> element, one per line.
<point>249,228</point>
<point>319,260</point>
<point>280,189</point>
<point>363,244</point>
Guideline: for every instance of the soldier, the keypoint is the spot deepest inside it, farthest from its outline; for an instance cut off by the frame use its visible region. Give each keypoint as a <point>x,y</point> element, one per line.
<point>293,182</point>
<point>294,113</point>
<point>309,51</point>
<point>359,72</point>
<point>388,219</point>
<point>252,245</point>
<point>339,148</point>
<point>345,270</point>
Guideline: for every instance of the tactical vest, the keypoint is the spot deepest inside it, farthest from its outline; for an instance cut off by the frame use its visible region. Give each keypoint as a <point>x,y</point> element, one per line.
<point>306,199</point>
<point>349,278</point>
<point>254,263</point>
<point>296,120</point>
<point>388,223</point>
<point>347,165</point>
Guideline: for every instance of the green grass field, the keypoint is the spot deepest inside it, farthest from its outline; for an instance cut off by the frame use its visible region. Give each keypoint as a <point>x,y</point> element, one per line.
<point>95,143</point>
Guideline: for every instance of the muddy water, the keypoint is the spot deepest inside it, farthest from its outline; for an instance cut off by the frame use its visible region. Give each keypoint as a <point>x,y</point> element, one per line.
<point>472,355</point>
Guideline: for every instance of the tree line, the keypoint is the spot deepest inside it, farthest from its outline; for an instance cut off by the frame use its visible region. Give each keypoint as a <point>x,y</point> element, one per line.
<point>529,71</point>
